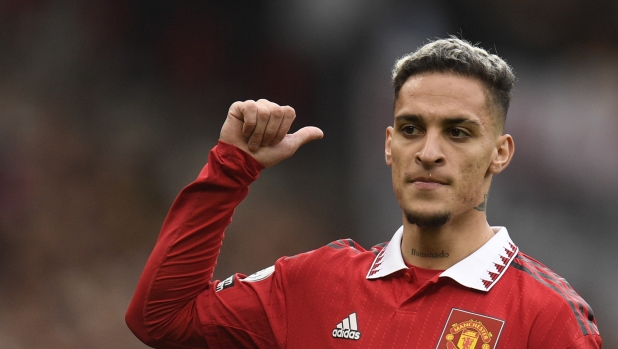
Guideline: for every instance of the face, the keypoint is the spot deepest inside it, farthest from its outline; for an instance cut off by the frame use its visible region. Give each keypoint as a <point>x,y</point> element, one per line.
<point>444,147</point>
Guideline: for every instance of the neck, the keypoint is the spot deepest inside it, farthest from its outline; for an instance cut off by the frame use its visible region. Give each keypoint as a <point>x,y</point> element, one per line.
<point>444,246</point>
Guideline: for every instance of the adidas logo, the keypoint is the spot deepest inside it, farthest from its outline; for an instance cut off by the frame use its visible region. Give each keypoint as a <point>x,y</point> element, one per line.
<point>347,328</point>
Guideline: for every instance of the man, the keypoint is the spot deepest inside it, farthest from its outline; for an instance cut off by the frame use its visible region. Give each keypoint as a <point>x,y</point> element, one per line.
<point>445,280</point>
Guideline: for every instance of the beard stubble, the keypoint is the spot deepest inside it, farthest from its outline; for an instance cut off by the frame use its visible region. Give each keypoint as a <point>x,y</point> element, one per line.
<point>428,220</point>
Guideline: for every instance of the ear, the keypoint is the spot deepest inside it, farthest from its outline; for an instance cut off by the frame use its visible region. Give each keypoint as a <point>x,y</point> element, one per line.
<point>505,147</point>
<point>387,146</point>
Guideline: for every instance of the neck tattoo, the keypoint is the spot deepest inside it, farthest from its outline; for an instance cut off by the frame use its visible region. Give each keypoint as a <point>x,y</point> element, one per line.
<point>483,205</point>
<point>429,254</point>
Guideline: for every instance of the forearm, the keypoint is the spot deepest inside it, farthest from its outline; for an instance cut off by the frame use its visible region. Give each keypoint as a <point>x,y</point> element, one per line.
<point>183,260</point>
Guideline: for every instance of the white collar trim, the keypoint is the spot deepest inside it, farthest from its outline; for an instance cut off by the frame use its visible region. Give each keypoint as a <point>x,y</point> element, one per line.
<point>481,270</point>
<point>389,260</point>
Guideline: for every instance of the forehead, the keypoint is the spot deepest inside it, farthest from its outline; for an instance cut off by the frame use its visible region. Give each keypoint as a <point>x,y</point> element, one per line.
<point>443,95</point>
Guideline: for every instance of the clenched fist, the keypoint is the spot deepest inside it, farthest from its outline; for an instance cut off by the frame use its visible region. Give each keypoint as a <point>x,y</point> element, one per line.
<point>261,129</point>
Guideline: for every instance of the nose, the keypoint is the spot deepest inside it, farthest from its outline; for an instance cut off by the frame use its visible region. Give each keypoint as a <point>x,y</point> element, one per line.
<point>430,153</point>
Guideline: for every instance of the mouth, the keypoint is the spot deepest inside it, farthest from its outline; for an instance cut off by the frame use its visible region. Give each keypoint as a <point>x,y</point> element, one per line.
<point>424,183</point>
<point>429,179</point>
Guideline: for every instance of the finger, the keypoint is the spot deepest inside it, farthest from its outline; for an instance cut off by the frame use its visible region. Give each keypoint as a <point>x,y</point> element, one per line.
<point>248,114</point>
<point>273,125</point>
<point>263,114</point>
<point>289,114</point>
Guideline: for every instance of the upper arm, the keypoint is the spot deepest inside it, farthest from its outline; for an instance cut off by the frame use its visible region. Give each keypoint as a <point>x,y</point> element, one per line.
<point>592,341</point>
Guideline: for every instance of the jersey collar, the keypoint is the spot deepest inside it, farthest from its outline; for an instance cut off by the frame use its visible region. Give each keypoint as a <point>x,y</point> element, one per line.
<point>481,270</point>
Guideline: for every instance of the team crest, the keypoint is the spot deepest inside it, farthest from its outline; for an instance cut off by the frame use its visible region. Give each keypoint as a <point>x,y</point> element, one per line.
<point>466,330</point>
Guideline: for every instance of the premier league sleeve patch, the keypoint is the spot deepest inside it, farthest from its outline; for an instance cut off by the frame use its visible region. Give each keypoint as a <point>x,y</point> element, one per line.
<point>466,330</point>
<point>260,275</point>
<point>229,282</point>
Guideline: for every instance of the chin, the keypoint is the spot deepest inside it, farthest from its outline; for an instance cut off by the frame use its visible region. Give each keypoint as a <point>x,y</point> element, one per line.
<point>428,219</point>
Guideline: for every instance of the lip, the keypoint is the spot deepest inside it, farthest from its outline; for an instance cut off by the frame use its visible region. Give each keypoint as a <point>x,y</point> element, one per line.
<point>428,179</point>
<point>427,183</point>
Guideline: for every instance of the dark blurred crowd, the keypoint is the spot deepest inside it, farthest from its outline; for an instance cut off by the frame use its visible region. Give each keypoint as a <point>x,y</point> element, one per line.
<point>109,107</point>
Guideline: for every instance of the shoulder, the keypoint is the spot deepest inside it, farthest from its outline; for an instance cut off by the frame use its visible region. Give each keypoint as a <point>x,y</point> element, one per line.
<point>355,247</point>
<point>342,256</point>
<point>546,279</point>
<point>340,248</point>
<point>554,295</point>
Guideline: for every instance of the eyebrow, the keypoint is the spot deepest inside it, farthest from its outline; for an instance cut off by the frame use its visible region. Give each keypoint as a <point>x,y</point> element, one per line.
<point>457,120</point>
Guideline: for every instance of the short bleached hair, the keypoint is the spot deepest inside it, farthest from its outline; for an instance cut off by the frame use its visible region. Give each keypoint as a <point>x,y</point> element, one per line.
<point>457,56</point>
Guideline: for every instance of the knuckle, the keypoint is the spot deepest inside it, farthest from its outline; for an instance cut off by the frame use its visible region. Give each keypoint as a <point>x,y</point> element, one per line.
<point>268,104</point>
<point>236,107</point>
<point>289,111</point>
<point>277,112</point>
<point>251,109</point>
<point>263,113</point>
<point>249,104</point>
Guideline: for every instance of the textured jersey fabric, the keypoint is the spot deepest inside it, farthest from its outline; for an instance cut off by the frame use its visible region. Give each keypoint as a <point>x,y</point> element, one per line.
<point>341,295</point>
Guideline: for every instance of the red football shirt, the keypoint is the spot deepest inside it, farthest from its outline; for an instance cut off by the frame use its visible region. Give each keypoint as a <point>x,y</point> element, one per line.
<point>341,295</point>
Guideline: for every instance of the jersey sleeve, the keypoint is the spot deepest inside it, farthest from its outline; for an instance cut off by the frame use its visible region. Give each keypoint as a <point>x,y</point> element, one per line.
<point>586,342</point>
<point>245,312</point>
<point>176,305</point>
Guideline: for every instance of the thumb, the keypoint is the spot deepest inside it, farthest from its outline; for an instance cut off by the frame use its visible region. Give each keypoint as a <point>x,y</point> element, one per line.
<point>271,155</point>
<point>306,135</point>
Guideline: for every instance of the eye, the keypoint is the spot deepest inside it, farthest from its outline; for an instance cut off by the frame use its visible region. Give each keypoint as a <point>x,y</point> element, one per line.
<point>458,133</point>
<point>410,130</point>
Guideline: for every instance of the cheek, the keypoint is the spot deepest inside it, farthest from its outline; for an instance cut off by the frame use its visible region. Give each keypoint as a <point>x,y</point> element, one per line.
<point>399,167</point>
<point>398,177</point>
<point>398,162</point>
<point>472,176</point>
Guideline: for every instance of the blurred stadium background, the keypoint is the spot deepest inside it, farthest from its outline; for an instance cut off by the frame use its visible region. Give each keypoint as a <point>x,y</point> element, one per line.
<point>109,107</point>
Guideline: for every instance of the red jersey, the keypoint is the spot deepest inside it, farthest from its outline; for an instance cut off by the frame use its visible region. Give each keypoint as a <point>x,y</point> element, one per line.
<point>341,295</point>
